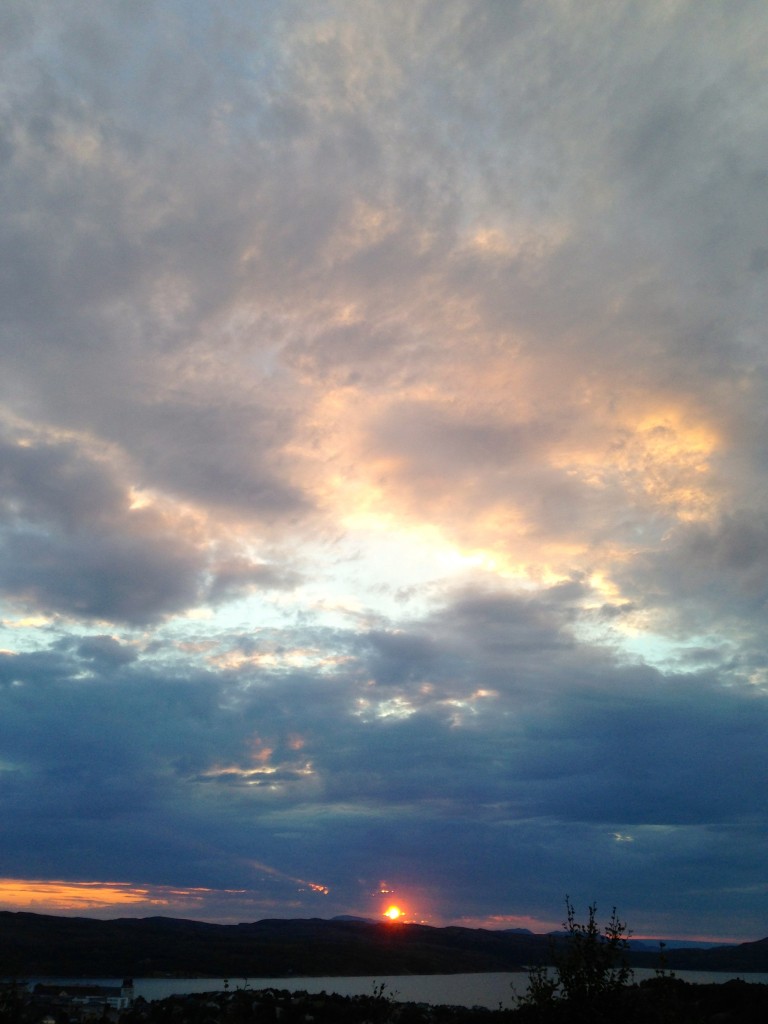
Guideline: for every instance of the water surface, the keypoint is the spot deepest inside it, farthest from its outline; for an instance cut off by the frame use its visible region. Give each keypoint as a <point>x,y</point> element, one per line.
<point>489,990</point>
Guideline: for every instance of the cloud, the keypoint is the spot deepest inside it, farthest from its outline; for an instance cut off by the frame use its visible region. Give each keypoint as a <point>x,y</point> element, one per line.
<point>207,768</point>
<point>382,458</point>
<point>105,650</point>
<point>709,579</point>
<point>77,542</point>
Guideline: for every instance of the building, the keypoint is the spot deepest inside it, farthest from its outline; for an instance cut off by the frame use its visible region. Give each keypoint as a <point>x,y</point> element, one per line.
<point>87,1000</point>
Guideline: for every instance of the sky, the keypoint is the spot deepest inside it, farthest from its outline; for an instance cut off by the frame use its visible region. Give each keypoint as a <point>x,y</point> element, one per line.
<point>383,473</point>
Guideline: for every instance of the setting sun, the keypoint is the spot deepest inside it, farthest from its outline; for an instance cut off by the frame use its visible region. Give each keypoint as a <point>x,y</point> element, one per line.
<point>393,913</point>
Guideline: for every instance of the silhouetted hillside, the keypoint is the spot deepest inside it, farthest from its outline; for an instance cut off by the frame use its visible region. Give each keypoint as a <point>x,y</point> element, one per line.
<point>34,944</point>
<point>746,957</point>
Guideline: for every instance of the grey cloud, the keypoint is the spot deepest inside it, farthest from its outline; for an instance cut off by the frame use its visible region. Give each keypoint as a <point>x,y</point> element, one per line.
<point>708,575</point>
<point>122,749</point>
<point>73,544</point>
<point>758,261</point>
<point>532,784</point>
<point>218,220</point>
<point>286,224</point>
<point>54,480</point>
<point>232,577</point>
<point>97,229</point>
<point>665,744</point>
<point>570,737</point>
<point>442,441</point>
<point>401,657</point>
<point>106,650</point>
<point>511,639</point>
<point>101,577</point>
<point>226,466</point>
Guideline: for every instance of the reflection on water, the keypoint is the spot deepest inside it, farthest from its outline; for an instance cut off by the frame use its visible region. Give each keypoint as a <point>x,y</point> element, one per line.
<point>489,990</point>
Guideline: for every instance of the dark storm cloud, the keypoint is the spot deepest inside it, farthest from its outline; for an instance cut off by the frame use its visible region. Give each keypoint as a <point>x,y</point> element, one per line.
<point>618,777</point>
<point>564,733</point>
<point>84,757</point>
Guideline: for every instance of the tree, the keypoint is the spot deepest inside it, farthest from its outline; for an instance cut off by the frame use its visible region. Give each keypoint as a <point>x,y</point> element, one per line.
<point>590,971</point>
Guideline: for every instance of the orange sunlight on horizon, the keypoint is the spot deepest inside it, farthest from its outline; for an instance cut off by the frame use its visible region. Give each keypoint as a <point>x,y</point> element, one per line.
<point>54,896</point>
<point>23,893</point>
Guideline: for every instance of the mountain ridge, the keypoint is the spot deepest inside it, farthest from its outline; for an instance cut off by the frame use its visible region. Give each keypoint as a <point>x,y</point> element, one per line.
<point>39,945</point>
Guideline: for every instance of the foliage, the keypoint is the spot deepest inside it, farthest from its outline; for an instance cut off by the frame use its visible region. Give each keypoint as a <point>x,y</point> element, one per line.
<point>593,962</point>
<point>590,971</point>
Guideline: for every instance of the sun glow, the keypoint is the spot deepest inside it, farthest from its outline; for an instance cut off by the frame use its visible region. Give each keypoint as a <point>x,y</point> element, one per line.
<point>393,913</point>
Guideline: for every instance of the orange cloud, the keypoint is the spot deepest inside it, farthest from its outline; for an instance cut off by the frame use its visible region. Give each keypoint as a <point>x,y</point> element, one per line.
<point>54,896</point>
<point>28,894</point>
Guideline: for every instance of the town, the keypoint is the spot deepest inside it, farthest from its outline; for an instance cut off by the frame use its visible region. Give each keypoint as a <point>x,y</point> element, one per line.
<point>65,1003</point>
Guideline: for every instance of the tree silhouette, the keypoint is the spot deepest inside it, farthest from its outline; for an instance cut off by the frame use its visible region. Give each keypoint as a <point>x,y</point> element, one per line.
<point>589,973</point>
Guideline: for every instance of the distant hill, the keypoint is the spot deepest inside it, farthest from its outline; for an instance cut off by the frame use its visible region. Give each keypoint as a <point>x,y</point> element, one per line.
<point>35,944</point>
<point>746,958</point>
<point>653,944</point>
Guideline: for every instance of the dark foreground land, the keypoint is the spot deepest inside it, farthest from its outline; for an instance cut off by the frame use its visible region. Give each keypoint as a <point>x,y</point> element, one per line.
<point>591,980</point>
<point>673,1003</point>
<point>36,944</point>
<point>665,1001</point>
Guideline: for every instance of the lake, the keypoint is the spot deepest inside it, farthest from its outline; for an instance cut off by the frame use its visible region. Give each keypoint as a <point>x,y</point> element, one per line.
<point>489,990</point>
